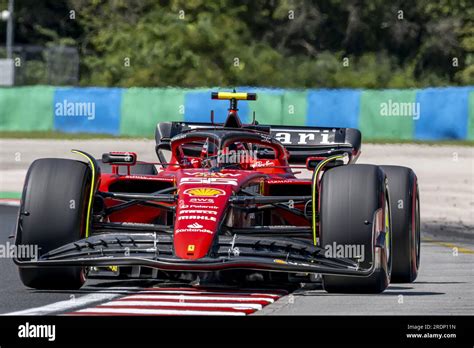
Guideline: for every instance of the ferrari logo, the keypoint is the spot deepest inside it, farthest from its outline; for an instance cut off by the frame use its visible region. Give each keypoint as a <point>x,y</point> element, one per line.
<point>191,248</point>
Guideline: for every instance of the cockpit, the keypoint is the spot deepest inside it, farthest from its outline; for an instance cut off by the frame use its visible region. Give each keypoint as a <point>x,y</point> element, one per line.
<point>229,149</point>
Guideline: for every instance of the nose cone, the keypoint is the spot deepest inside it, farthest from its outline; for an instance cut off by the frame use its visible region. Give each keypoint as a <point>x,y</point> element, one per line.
<point>198,216</point>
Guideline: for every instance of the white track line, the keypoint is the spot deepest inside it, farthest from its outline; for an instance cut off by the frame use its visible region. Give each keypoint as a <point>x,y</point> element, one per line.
<point>75,302</point>
<point>143,311</point>
<point>67,305</point>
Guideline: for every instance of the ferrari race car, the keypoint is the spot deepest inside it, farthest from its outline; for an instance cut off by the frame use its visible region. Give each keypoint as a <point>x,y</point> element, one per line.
<point>228,202</point>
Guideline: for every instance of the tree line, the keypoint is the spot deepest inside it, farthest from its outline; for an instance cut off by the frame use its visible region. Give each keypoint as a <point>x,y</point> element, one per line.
<point>286,43</point>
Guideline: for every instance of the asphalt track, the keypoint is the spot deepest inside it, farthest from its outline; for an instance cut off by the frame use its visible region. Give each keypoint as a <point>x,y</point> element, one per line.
<point>445,285</point>
<point>121,297</point>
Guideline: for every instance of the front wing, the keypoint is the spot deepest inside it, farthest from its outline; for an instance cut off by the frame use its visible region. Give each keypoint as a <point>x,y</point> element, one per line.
<point>229,252</point>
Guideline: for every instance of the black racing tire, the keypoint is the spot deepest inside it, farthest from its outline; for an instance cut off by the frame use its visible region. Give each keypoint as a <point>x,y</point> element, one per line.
<point>53,213</point>
<point>349,198</point>
<point>137,169</point>
<point>405,207</point>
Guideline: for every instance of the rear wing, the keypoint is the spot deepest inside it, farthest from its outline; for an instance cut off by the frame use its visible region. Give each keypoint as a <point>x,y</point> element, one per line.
<point>304,142</point>
<point>301,142</point>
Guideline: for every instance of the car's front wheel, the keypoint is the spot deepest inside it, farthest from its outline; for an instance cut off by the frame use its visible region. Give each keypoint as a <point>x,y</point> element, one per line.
<point>354,200</point>
<point>53,213</point>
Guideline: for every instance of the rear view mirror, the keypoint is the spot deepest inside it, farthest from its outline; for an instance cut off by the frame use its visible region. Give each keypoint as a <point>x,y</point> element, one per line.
<point>312,162</point>
<point>120,158</point>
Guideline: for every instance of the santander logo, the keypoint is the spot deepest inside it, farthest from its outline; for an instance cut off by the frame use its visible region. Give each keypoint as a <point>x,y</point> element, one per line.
<point>195,225</point>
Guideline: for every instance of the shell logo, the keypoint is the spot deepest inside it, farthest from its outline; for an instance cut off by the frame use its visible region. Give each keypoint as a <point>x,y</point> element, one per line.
<point>204,192</point>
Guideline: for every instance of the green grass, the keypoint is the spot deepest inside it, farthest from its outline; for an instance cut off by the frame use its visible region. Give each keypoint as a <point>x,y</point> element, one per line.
<point>85,136</point>
<point>10,195</point>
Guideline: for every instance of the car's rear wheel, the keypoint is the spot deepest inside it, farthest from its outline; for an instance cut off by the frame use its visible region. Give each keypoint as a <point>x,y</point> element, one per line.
<point>352,198</point>
<point>405,207</point>
<point>53,212</point>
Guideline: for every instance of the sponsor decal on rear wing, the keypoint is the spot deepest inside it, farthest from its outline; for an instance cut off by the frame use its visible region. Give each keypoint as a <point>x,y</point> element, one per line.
<point>306,136</point>
<point>304,142</point>
<point>301,142</point>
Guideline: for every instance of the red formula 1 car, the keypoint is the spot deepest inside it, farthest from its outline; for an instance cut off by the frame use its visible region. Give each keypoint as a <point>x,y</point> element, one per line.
<point>224,202</point>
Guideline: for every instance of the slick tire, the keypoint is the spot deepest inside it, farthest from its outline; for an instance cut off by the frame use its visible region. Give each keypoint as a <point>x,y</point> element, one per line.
<point>349,198</point>
<point>405,207</point>
<point>53,213</point>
